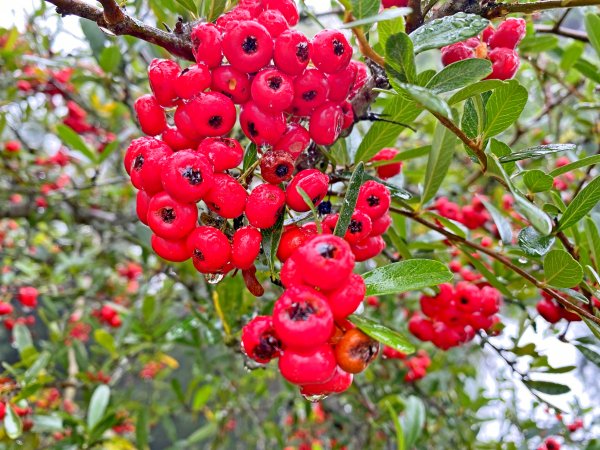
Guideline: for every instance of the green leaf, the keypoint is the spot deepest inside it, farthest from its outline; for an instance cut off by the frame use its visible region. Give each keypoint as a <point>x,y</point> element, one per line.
<point>589,354</point>
<point>39,364</point>
<point>428,99</point>
<point>71,139</point>
<point>588,161</point>
<point>474,89</point>
<point>13,426</point>
<point>46,424</point>
<point>460,74</point>
<point>389,27</point>
<point>571,54</point>
<point>447,30</point>
<point>98,405</point>
<point>547,387</point>
<point>94,35</point>
<point>250,156</point>
<point>212,9</point>
<point>189,5</point>
<point>592,26</point>
<point>470,120</point>
<point>141,429</point>
<point>202,396</point>
<point>538,43</point>
<point>587,69</point>
<point>364,8</point>
<point>382,334</point>
<point>270,243</point>
<point>110,58</point>
<point>438,163</point>
<point>593,240</point>
<point>537,151</point>
<point>561,270</point>
<point>504,107</point>
<point>413,420</point>
<point>386,16</point>
<point>407,275</point>
<point>595,329</point>
<point>22,338</point>
<point>400,58</point>
<point>537,181</point>
<point>582,204</point>
<point>106,340</point>
<point>350,200</point>
<point>400,444</point>
<point>502,224</point>
<point>533,243</point>
<point>108,150</point>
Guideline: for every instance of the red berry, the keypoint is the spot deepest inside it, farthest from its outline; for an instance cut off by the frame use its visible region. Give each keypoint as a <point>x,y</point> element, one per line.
<point>552,444</point>
<point>392,3</point>
<point>28,296</point>
<point>265,205</point>
<point>381,225</point>
<point>311,366</point>
<point>227,196</point>
<point>294,141</point>
<point>420,327</point>
<point>339,382</point>
<point>348,112</point>
<point>290,272</point>
<point>13,147</point>
<point>261,127</point>
<point>292,52</point>
<point>145,158</point>
<point>254,7</point>
<point>508,34</point>
<point>313,182</point>
<point>374,199</point>
<point>150,115</point>
<point>368,248</point>
<point>292,237</point>
<point>273,21</point>
<point>206,44</point>
<point>2,410</point>
<point>456,52</point>
<point>326,123</point>
<point>310,90</point>
<point>505,63</point>
<point>259,340</point>
<point>325,261</point>
<point>187,176</point>
<point>162,74</point>
<point>245,247</point>
<point>142,200</point>
<point>331,51</point>
<point>487,34</point>
<point>223,153</point>
<point>231,19</point>
<point>192,81</point>
<point>388,170</point>
<point>177,141</point>
<point>362,76</point>
<point>359,228</point>
<point>344,300</point>
<point>276,166</point>
<point>248,46</point>
<point>169,218</point>
<point>231,82</point>
<point>210,249</point>
<point>272,90</point>
<point>340,83</point>
<point>207,114</point>
<point>5,308</point>
<point>174,251</point>
<point>286,7</point>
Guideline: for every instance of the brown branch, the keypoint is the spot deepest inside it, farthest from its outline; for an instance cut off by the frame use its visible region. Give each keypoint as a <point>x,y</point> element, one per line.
<point>474,146</point>
<point>415,18</point>
<point>114,20</point>
<point>565,32</point>
<point>493,10</point>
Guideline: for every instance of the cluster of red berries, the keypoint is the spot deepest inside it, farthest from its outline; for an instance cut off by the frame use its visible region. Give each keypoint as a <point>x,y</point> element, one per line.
<point>27,296</point>
<point>108,315</point>
<point>549,444</point>
<point>472,216</point>
<point>498,45</point>
<point>454,315</point>
<point>553,311</point>
<point>318,349</point>
<point>417,365</point>
<point>563,181</point>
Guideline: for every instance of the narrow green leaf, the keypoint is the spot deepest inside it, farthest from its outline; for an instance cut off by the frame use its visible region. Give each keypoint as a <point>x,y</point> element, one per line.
<point>141,429</point>
<point>500,149</point>
<point>202,396</point>
<point>94,35</point>
<point>547,387</point>
<point>212,9</point>
<point>46,423</point>
<point>385,16</point>
<point>250,156</point>
<point>592,26</point>
<point>504,107</point>
<point>400,59</point>
<point>389,27</point>
<point>427,99</point>
<point>39,364</point>
<point>571,54</point>
<point>110,58</point>
<point>474,89</point>
<point>589,354</point>
<point>533,243</point>
<point>364,8</point>
<point>593,240</point>
<point>582,204</point>
<point>71,139</point>
<point>538,43</point>
<point>407,275</point>
<point>588,161</point>
<point>438,163</point>
<point>595,329</point>
<point>537,151</point>
<point>13,426</point>
<point>460,74</point>
<point>350,200</point>
<point>382,334</point>
<point>587,69</point>
<point>189,5</point>
<point>108,150</point>
<point>537,181</point>
<point>106,340</point>
<point>270,243</point>
<point>22,338</point>
<point>561,270</point>
<point>400,444</point>
<point>98,405</point>
<point>502,224</point>
<point>447,30</point>
<point>413,420</point>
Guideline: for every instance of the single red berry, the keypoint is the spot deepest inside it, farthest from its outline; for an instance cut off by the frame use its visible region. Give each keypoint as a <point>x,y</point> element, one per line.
<point>174,251</point>
<point>223,153</point>
<point>265,205</point>
<point>311,181</point>
<point>245,247</point>
<point>292,52</point>
<point>387,170</point>
<point>259,340</point>
<point>339,382</point>
<point>294,141</point>
<point>145,158</point>
<point>210,249</point>
<point>420,327</point>
<point>568,315</point>
<point>359,228</point>
<point>348,114</point>
<point>487,34</point>
<point>331,51</point>
<point>171,219</point>
<point>232,83</point>
<point>290,272</point>
<point>552,444</point>
<point>272,90</point>
<point>355,351</point>
<point>187,176</point>
<point>456,52</point>
<point>177,141</point>
<point>362,75</point>
<point>287,8</point>
<point>162,75</point>
<point>150,115</point>
<point>28,296</point>
<point>508,34</point>
<point>248,46</point>
<point>310,90</point>
<point>5,308</point>
<point>227,196</point>
<point>374,199</point>
<point>13,147</point>
<point>254,7</point>
<point>344,300</point>
<point>206,44</point>
<point>142,200</point>
<point>276,166</point>
<point>273,21</point>
<point>2,410</point>
<point>207,114</point>
<point>315,365</point>
<point>325,261</point>
<point>505,63</point>
<point>368,248</point>
<point>192,81</point>
<point>381,225</point>
<point>292,237</point>
<point>261,128</point>
<point>326,123</point>
<point>340,83</point>
<point>230,20</point>
<point>392,3</point>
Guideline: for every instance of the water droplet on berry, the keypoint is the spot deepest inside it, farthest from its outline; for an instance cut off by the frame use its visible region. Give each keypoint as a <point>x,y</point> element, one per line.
<point>214,278</point>
<point>315,398</point>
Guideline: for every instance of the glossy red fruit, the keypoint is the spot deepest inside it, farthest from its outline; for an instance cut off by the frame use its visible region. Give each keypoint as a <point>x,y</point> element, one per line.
<point>362,75</point>
<point>177,141</point>
<point>294,141</point>
<point>272,90</point>
<point>456,52</point>
<point>150,115</point>
<point>174,251</point>
<point>340,83</point>
<point>273,21</point>
<point>348,112</point>
<point>292,237</point>
<point>5,308</point>
<point>310,90</point>
<point>346,298</point>
<point>261,128</point>
<point>232,83</point>
<point>445,337</point>
<point>368,248</point>
<point>313,182</point>
<point>359,228</point>
<point>230,20</point>
<point>142,200</point>
<point>170,219</point>
<point>206,44</point>
<point>392,3</point>
<point>145,157</point>
<point>387,170</point>
<point>286,7</point>
<point>162,75</point>
<point>248,46</point>
<point>374,199</point>
<point>505,63</point>
<point>27,296</point>
<point>210,249</point>
<point>315,365</point>
<point>276,166</point>
<point>325,261</point>
<point>223,153</point>
<point>265,205</point>
<point>326,123</point>
<point>508,34</point>
<point>259,340</point>
<point>245,247</point>
<point>12,147</point>
<point>355,351</point>
<point>207,114</point>
<point>292,52</point>
<point>381,225</point>
<point>339,382</point>
<point>192,81</point>
<point>254,7</point>
<point>187,176</point>
<point>331,51</point>
<point>227,196</point>
<point>290,272</point>
<point>420,327</point>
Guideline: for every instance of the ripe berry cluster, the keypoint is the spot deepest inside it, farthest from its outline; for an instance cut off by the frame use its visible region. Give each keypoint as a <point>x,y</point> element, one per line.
<point>27,296</point>
<point>553,312</point>
<point>472,216</point>
<point>455,314</point>
<point>417,365</point>
<point>498,45</point>
<point>549,444</point>
<point>318,349</point>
